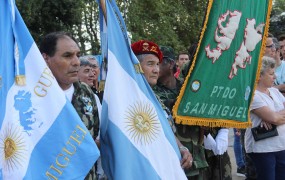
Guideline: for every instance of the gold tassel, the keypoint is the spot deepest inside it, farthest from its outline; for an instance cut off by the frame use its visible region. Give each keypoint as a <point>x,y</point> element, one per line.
<point>178,100</point>
<point>211,122</point>
<point>20,80</point>
<point>138,68</point>
<point>101,85</point>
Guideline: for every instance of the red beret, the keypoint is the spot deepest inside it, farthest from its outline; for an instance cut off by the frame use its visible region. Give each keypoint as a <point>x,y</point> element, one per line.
<point>147,47</point>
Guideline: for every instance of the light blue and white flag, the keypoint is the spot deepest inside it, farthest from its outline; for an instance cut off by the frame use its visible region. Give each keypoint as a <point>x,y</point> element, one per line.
<point>136,140</point>
<point>41,135</point>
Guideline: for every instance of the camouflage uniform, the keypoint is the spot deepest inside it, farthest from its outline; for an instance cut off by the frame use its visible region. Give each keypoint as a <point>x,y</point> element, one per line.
<point>84,102</point>
<point>166,95</point>
<point>205,163</point>
<point>168,114</point>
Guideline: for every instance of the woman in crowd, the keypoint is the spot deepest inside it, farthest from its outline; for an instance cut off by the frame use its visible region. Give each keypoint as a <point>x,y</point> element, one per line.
<point>267,109</point>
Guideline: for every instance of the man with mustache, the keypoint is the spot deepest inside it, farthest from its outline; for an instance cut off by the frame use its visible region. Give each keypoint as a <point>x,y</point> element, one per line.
<point>61,53</point>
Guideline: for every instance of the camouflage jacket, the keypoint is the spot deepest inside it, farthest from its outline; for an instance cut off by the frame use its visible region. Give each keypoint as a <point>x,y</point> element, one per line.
<point>192,137</point>
<point>167,114</point>
<point>84,102</point>
<point>166,95</point>
<point>206,164</point>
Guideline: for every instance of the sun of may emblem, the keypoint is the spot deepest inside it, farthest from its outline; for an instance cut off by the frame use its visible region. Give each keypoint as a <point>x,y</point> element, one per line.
<point>12,148</point>
<point>142,123</point>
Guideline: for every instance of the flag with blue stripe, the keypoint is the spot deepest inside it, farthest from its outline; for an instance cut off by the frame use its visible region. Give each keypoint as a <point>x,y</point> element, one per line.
<point>41,135</point>
<point>136,140</point>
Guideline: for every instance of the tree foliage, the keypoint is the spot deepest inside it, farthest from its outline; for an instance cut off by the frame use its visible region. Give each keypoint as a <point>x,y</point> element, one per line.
<point>166,22</point>
<point>277,21</point>
<point>175,23</point>
<point>44,16</point>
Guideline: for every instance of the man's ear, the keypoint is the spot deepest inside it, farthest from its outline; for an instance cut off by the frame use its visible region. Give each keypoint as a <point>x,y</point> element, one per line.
<point>45,56</point>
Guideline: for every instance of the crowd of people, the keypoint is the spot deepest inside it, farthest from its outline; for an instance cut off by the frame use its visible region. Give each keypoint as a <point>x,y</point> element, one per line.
<point>265,158</point>
<point>203,149</point>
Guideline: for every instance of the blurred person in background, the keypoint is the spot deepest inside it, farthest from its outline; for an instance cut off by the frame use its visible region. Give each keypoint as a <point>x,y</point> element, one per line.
<point>90,74</point>
<point>281,40</point>
<point>182,58</point>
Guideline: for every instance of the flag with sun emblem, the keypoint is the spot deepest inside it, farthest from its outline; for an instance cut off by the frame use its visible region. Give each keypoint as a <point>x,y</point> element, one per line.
<point>136,140</point>
<point>41,135</point>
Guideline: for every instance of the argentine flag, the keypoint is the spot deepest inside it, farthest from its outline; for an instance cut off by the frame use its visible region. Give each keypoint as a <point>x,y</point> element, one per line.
<point>41,135</point>
<point>136,140</point>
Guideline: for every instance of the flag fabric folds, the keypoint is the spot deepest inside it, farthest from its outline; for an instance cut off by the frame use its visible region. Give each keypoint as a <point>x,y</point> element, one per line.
<point>221,81</point>
<point>136,139</point>
<point>41,135</point>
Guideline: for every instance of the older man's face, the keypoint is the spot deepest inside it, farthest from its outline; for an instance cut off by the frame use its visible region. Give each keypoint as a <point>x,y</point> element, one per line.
<point>86,75</point>
<point>150,67</point>
<point>95,68</point>
<point>65,63</point>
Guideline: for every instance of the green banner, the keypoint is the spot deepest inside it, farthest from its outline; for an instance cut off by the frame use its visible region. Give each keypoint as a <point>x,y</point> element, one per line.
<point>220,84</point>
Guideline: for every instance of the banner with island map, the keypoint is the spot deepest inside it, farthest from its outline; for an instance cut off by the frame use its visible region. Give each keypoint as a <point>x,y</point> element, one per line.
<point>219,86</point>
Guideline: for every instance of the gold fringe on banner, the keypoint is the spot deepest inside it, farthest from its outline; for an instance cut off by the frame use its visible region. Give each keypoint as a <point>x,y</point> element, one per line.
<point>20,80</point>
<point>210,122</point>
<point>263,46</point>
<point>183,119</point>
<point>101,85</point>
<point>138,68</point>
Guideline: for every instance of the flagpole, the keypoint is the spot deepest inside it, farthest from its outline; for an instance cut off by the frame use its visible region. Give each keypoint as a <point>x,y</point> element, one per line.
<point>220,167</point>
<point>103,6</point>
<point>104,54</point>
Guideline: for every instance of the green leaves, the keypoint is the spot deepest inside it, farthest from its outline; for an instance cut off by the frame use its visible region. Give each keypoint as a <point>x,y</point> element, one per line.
<point>175,23</point>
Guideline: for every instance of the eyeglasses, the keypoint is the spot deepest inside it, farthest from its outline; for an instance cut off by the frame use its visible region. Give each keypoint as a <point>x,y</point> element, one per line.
<point>272,46</point>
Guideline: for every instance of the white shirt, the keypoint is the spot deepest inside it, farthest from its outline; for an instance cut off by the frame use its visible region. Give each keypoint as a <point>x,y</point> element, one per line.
<point>69,93</point>
<point>272,144</point>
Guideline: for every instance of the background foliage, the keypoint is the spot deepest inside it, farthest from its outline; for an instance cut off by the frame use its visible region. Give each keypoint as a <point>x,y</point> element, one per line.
<point>277,21</point>
<point>175,23</point>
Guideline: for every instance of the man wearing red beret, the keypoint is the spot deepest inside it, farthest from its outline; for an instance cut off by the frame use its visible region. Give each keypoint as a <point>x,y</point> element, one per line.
<point>149,55</point>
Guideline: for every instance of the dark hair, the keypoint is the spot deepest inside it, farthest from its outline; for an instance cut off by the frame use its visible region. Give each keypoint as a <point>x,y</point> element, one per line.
<point>281,37</point>
<point>182,52</point>
<point>49,42</point>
